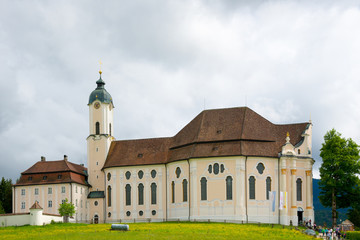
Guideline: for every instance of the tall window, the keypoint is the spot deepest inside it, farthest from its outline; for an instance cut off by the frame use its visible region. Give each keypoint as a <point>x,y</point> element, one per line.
<point>173,192</point>
<point>229,188</point>
<point>50,204</point>
<point>97,128</point>
<point>153,193</point>
<point>128,194</point>
<point>298,189</point>
<point>141,194</point>
<point>252,187</point>
<point>203,183</point>
<point>110,128</point>
<point>22,205</point>
<point>109,196</point>
<point>49,190</point>
<point>268,187</point>
<point>23,192</point>
<point>184,183</point>
<point>62,189</point>
<point>36,191</point>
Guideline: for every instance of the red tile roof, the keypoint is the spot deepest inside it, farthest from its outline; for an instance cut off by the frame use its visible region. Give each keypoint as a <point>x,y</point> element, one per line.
<point>53,172</point>
<point>55,166</point>
<point>36,206</point>
<point>219,132</point>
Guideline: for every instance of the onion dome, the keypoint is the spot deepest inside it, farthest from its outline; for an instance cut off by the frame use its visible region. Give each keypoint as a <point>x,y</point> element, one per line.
<point>100,93</point>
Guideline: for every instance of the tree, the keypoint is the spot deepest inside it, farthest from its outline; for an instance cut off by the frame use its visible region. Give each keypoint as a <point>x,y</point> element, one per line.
<point>338,180</point>
<point>2,211</point>
<point>66,210</point>
<point>6,194</point>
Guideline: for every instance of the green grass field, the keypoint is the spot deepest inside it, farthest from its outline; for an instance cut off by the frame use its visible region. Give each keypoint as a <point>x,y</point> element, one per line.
<point>174,230</point>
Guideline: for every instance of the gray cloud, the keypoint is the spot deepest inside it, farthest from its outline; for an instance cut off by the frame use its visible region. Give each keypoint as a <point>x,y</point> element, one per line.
<point>164,62</point>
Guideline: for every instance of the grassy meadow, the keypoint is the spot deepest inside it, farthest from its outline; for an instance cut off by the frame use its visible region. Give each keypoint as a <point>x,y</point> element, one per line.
<point>174,230</point>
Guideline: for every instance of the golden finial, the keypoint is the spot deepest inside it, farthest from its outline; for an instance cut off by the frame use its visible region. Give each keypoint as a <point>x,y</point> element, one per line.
<point>100,67</point>
<point>288,134</point>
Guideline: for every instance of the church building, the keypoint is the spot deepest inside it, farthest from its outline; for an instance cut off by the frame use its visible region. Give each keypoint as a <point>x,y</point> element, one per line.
<point>225,165</point>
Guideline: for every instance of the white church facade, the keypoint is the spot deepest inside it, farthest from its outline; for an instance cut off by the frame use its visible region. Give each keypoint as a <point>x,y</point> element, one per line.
<point>225,165</point>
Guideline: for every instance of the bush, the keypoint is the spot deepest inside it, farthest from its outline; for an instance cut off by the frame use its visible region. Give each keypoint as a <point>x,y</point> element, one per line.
<point>353,235</point>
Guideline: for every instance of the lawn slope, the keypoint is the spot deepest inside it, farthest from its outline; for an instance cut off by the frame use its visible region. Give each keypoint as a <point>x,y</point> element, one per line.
<point>181,231</point>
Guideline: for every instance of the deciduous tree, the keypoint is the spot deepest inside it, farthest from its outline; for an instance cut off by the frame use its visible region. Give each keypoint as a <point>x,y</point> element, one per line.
<point>66,210</point>
<point>338,183</point>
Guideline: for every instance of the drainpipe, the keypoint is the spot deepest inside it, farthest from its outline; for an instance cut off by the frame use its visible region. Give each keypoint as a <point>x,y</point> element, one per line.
<point>279,179</point>
<point>13,209</point>
<point>246,192</point>
<point>166,193</point>
<point>189,198</point>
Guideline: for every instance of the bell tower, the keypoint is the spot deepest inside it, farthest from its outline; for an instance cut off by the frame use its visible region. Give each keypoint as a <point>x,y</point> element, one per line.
<point>98,143</point>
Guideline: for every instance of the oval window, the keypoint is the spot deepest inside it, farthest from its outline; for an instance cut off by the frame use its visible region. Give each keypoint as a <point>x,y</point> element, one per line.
<point>222,168</point>
<point>260,167</point>
<point>216,168</point>
<point>178,172</point>
<point>96,203</point>
<point>128,213</point>
<point>109,214</point>
<point>141,213</point>
<point>127,175</point>
<point>153,212</point>
<point>210,169</point>
<point>140,174</point>
<point>153,173</point>
<point>109,176</point>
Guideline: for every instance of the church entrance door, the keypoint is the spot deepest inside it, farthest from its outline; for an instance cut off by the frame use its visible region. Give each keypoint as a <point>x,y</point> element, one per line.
<point>300,215</point>
<point>96,219</point>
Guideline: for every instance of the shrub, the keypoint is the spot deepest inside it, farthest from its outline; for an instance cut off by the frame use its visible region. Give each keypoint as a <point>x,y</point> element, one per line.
<point>353,235</point>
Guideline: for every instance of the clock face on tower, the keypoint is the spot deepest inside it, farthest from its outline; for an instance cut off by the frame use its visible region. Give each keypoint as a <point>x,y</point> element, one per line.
<point>97,105</point>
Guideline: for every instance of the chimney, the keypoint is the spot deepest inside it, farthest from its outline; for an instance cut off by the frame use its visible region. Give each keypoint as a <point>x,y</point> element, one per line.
<point>65,157</point>
<point>43,159</point>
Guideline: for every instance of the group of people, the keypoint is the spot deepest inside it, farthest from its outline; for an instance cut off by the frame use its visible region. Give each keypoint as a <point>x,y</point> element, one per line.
<point>331,234</point>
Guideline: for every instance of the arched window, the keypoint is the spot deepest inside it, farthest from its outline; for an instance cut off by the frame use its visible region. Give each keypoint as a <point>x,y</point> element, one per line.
<point>268,187</point>
<point>128,194</point>
<point>109,196</point>
<point>298,189</point>
<point>153,193</point>
<point>141,194</point>
<point>172,191</point>
<point>252,187</point>
<point>203,182</point>
<point>184,183</point>
<point>97,128</point>
<point>110,128</point>
<point>229,188</point>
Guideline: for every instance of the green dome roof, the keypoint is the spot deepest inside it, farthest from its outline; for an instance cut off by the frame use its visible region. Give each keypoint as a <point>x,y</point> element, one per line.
<point>100,93</point>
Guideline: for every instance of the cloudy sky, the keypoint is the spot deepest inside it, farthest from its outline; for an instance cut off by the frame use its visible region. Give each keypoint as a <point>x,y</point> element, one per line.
<point>164,62</point>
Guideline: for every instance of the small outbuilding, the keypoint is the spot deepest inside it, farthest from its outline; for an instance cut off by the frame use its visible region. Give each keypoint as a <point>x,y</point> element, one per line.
<point>347,226</point>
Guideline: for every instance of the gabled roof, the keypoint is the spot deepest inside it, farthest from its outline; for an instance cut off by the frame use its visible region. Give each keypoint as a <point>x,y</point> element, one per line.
<point>55,166</point>
<point>213,133</point>
<point>36,206</point>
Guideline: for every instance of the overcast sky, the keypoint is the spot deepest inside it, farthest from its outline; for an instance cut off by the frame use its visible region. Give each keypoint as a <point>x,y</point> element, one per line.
<point>164,62</point>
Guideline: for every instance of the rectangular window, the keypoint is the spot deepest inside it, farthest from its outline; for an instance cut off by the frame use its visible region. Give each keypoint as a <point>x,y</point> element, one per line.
<point>36,191</point>
<point>153,193</point>
<point>49,190</point>
<point>184,190</point>
<point>62,201</point>
<point>22,205</point>
<point>76,203</point>
<point>23,192</point>
<point>62,189</point>
<point>50,204</point>
<point>76,189</point>
<point>81,203</point>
